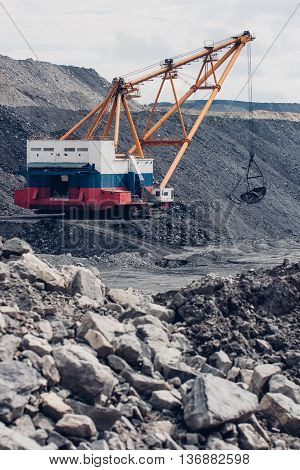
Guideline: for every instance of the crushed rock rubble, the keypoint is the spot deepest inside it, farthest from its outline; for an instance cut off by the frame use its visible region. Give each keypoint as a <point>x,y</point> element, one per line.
<point>83,366</point>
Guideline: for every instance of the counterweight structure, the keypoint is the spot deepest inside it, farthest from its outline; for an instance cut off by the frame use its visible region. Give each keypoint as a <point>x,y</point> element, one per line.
<point>92,173</point>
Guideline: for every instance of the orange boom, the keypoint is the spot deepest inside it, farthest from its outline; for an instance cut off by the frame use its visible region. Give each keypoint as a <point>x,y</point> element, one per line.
<point>71,172</point>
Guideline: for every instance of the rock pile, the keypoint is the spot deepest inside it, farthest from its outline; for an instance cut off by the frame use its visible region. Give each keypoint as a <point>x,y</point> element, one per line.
<point>253,317</point>
<point>45,85</point>
<point>83,366</point>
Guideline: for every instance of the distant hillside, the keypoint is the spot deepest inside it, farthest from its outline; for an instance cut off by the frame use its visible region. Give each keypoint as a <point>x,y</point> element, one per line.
<point>41,84</point>
<point>239,106</point>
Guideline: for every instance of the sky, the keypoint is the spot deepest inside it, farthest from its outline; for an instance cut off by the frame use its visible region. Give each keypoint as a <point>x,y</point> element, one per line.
<point>115,37</point>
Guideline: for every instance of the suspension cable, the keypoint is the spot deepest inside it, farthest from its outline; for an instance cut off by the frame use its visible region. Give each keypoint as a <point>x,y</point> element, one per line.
<point>253,193</point>
<point>250,103</point>
<point>179,56</point>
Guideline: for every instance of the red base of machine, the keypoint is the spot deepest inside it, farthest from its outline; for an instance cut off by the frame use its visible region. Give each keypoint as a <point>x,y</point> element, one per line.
<point>82,199</point>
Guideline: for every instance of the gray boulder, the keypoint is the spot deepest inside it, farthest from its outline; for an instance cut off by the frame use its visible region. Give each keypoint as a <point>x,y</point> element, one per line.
<point>292,358</point>
<point>214,401</point>
<point>148,320</point>
<point>19,377</point>
<point>220,360</point>
<point>9,345</point>
<point>180,341</point>
<point>87,284</point>
<point>216,443</point>
<point>106,325</point>
<point>182,371</point>
<point>25,425</point>
<point>161,428</point>
<point>245,362</point>
<point>14,440</point>
<point>60,441</point>
<point>167,357</point>
<point>103,417</point>
<point>34,269</point>
<point>31,359</point>
<point>117,363</point>
<point>143,383</point>
<point>99,445</point>
<point>99,343</point>
<point>129,348</point>
<point>44,330</point>
<point>16,246</point>
<point>246,376</point>
<point>263,346</point>
<point>111,307</point>
<point>159,311</point>
<point>207,369</point>
<point>126,298</point>
<point>261,374</point>
<point>4,272</point>
<point>164,399</point>
<point>249,438</point>
<point>2,323</point>
<point>233,373</point>
<point>77,426</point>
<point>11,311</point>
<point>49,370</point>
<point>154,336</point>
<point>283,409</point>
<point>151,332</point>
<point>82,373</point>
<point>280,384</point>
<point>11,405</point>
<point>53,406</point>
<point>59,330</point>
<point>115,443</point>
<point>39,345</point>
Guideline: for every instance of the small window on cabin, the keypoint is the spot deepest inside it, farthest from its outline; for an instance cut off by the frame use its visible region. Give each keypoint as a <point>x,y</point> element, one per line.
<point>157,193</point>
<point>48,149</point>
<point>166,193</point>
<point>36,149</point>
<point>70,149</point>
<point>83,149</point>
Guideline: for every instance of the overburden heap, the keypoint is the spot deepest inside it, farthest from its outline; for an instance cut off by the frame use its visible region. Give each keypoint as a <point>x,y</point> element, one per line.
<point>84,366</point>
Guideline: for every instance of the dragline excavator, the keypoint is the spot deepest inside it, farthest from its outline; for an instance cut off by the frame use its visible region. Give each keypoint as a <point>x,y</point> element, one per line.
<point>91,173</point>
